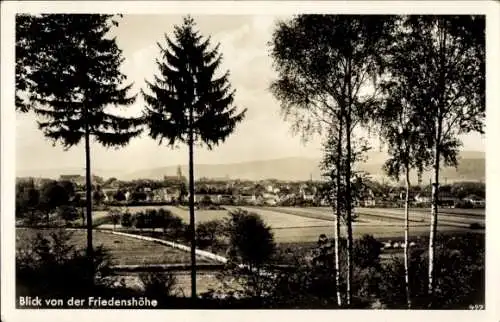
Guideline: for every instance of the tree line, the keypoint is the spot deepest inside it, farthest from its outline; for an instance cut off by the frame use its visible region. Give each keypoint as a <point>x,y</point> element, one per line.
<point>416,80</point>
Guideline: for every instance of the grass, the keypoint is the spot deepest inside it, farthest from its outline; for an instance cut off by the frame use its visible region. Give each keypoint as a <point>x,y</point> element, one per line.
<point>456,211</point>
<point>306,224</point>
<point>327,214</point>
<point>123,250</point>
<point>417,215</point>
<point>200,215</point>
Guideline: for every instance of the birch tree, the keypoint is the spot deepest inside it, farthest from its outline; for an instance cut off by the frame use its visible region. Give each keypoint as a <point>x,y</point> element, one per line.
<point>326,65</point>
<point>447,68</point>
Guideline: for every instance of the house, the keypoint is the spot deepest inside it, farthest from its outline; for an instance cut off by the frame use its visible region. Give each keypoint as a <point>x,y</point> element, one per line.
<point>225,199</point>
<point>271,201</point>
<point>307,193</point>
<point>159,195</point>
<point>368,202</point>
<point>267,198</point>
<point>475,201</point>
<point>272,189</point>
<point>109,194</point>
<point>423,198</point>
<point>324,202</point>
<point>200,196</point>
<point>76,179</point>
<point>368,199</point>
<point>165,195</point>
<point>247,197</point>
<point>447,199</point>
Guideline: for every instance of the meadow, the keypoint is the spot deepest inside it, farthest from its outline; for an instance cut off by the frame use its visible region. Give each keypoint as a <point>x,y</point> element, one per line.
<point>123,250</point>
<point>304,225</point>
<point>296,230</point>
<point>381,227</point>
<point>295,225</point>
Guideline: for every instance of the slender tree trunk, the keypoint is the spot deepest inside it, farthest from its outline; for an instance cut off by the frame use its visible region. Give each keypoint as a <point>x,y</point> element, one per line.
<point>88,188</point>
<point>192,229</point>
<point>338,209</point>
<point>437,154</point>
<point>434,214</point>
<point>407,237</point>
<point>348,196</point>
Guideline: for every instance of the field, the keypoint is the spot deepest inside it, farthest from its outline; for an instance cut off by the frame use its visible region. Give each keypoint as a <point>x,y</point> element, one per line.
<point>291,225</point>
<point>205,280</point>
<point>296,229</point>
<point>123,250</point>
<point>480,212</point>
<point>463,219</point>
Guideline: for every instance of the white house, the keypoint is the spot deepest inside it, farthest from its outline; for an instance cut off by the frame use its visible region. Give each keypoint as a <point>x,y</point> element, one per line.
<point>475,201</point>
<point>422,198</point>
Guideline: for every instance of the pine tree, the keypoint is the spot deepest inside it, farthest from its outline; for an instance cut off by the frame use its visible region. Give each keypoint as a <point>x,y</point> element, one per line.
<point>190,104</point>
<point>71,83</point>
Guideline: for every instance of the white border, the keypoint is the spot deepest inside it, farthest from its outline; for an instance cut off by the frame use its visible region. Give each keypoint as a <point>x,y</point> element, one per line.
<point>8,117</point>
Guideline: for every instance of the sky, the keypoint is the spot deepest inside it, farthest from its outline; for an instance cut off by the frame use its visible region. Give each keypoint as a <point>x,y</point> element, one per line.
<point>263,134</point>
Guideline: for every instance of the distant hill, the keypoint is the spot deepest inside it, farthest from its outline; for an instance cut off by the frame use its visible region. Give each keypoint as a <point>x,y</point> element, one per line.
<point>55,173</point>
<point>471,168</point>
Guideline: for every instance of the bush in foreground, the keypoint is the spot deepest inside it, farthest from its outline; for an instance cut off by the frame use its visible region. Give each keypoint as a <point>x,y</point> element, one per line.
<point>49,265</point>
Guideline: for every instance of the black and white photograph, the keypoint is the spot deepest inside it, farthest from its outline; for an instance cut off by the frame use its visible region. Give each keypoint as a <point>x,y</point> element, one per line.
<point>290,158</point>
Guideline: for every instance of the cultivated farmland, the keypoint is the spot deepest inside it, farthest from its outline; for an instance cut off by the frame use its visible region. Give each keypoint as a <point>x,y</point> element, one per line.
<point>380,226</point>
<point>293,224</point>
<point>123,250</point>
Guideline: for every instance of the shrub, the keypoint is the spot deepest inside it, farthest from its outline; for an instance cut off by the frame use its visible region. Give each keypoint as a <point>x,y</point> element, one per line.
<point>164,218</point>
<point>459,275</point>
<point>33,217</point>
<point>176,227</point>
<point>67,213</point>
<point>205,202</point>
<point>251,240</point>
<point>252,245</point>
<point>126,220</point>
<point>313,276</point>
<point>139,220</point>
<point>366,252</point>
<point>208,234</point>
<point>158,284</point>
<point>115,216</point>
<point>476,225</point>
<point>49,265</point>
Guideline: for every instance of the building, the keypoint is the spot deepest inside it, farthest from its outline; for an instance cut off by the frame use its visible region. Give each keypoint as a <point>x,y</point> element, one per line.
<point>247,198</point>
<point>308,193</point>
<point>475,201</point>
<point>109,194</point>
<point>423,198</point>
<point>76,179</point>
<point>225,199</point>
